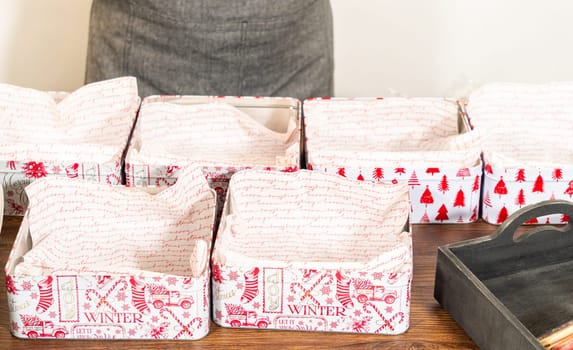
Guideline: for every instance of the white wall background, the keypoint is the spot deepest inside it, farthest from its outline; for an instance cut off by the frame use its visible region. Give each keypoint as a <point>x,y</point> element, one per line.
<point>382,47</point>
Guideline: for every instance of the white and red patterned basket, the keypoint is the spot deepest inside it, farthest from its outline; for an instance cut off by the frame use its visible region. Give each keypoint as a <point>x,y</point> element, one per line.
<point>222,134</point>
<point>508,189</point>
<point>527,148</point>
<point>386,140</point>
<point>81,135</point>
<point>314,252</point>
<point>69,300</point>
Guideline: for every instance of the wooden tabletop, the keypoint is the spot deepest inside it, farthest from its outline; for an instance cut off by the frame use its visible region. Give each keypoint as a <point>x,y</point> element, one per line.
<point>430,326</point>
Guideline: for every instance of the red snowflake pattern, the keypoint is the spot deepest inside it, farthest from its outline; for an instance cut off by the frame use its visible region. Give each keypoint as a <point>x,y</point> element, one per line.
<point>121,296</point>
<point>34,170</point>
<point>26,285</point>
<point>218,314</point>
<point>233,275</point>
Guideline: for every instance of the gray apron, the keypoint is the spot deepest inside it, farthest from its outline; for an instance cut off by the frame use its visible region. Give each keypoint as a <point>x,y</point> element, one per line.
<point>214,47</point>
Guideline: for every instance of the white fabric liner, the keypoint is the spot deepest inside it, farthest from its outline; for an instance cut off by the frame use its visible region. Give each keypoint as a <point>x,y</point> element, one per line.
<point>388,132</point>
<point>91,124</point>
<point>81,227</point>
<point>214,133</point>
<point>524,124</point>
<point>310,218</point>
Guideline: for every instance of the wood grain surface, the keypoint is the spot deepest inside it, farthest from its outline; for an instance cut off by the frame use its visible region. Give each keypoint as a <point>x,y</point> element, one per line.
<point>430,326</point>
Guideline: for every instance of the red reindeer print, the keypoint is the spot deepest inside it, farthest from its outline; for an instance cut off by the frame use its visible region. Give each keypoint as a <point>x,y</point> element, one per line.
<point>251,285</point>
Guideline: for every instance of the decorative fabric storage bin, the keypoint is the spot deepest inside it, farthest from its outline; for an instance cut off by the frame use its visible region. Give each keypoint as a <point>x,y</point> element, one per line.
<point>82,135</point>
<point>313,251</point>
<point>220,134</point>
<point>424,142</point>
<point>527,146</point>
<point>111,262</point>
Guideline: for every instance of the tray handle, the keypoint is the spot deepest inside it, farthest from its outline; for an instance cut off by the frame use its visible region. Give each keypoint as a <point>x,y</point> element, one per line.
<point>506,231</point>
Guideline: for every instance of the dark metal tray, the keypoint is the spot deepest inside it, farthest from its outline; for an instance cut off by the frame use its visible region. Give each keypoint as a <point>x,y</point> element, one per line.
<point>507,290</point>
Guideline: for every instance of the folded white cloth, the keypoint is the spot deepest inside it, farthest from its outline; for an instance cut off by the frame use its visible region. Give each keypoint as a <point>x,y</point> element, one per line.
<point>312,219</point>
<point>175,131</point>
<point>91,124</point>
<point>524,124</point>
<point>81,227</point>
<point>390,132</point>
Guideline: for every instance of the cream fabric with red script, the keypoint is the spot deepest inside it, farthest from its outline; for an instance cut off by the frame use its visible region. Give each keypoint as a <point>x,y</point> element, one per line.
<point>389,132</point>
<point>81,227</point>
<point>91,124</point>
<point>524,125</point>
<point>313,219</point>
<point>175,131</point>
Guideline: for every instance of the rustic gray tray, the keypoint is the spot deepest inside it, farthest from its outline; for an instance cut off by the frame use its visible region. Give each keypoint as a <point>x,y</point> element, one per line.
<point>505,290</point>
